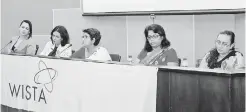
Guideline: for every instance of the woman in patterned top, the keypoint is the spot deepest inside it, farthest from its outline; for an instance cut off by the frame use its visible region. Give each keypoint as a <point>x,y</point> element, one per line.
<point>223,55</point>
<point>157,50</point>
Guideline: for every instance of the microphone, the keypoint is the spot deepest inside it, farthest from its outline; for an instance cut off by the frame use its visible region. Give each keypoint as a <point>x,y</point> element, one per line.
<point>70,45</point>
<point>37,47</point>
<point>6,45</point>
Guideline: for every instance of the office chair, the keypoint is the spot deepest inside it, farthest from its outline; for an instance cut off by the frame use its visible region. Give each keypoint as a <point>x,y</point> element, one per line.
<point>73,51</point>
<point>198,61</point>
<point>179,63</point>
<point>115,57</point>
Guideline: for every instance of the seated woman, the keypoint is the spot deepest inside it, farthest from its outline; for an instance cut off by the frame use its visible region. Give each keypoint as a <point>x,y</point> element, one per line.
<point>223,55</point>
<point>157,50</point>
<point>22,44</point>
<point>90,48</point>
<point>59,45</point>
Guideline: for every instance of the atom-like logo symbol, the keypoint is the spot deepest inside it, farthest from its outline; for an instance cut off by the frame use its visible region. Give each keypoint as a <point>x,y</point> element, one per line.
<point>45,76</point>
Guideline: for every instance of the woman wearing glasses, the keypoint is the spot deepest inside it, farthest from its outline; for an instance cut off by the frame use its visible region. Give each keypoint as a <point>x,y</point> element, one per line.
<point>223,55</point>
<point>157,50</point>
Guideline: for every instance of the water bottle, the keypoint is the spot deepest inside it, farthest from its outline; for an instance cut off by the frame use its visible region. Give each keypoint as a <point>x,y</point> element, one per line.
<point>129,59</point>
<point>184,62</point>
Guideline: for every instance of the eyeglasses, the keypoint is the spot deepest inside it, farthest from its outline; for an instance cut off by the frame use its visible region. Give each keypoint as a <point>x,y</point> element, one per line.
<point>224,44</point>
<point>153,37</point>
<point>84,36</point>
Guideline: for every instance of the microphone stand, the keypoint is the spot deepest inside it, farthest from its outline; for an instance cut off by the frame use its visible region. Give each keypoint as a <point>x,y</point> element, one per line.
<point>6,46</point>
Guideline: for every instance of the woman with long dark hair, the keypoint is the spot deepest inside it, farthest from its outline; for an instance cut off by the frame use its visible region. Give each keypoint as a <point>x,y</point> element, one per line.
<point>224,54</point>
<point>157,50</point>
<point>23,43</point>
<point>59,45</point>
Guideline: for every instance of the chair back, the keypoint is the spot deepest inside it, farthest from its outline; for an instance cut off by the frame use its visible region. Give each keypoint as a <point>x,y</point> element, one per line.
<point>73,51</point>
<point>198,61</point>
<point>115,57</point>
<point>179,63</point>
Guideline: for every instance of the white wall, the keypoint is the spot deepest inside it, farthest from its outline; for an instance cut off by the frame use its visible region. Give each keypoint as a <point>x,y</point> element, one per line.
<point>0,43</point>
<point>191,36</point>
<point>95,6</point>
<point>240,32</point>
<point>179,30</point>
<point>135,34</point>
<point>112,29</point>
<point>41,40</point>
<point>39,12</point>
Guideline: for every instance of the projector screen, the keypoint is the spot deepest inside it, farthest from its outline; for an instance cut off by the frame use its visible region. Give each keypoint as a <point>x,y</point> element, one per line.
<point>101,6</point>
